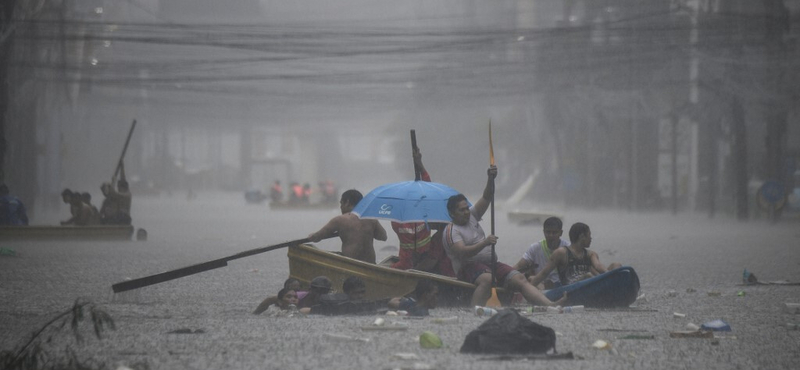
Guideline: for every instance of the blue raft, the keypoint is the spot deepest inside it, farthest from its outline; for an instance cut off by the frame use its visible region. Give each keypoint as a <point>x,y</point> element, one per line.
<point>615,288</point>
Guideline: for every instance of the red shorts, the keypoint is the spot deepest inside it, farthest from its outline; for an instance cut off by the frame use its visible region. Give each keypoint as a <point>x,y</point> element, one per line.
<point>471,270</point>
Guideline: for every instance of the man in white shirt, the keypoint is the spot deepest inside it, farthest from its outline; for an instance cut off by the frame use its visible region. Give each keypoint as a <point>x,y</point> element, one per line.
<point>466,244</point>
<point>538,254</point>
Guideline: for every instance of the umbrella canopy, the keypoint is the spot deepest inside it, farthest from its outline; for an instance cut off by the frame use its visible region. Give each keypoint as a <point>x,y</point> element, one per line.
<point>408,201</point>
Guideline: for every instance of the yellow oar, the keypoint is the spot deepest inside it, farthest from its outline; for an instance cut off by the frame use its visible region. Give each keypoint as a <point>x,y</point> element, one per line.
<point>493,300</point>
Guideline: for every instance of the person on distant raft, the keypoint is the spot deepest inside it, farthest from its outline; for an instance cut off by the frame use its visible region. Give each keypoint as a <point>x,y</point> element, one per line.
<point>12,210</point>
<point>538,254</point>
<point>276,192</point>
<point>116,207</point>
<point>95,218</point>
<point>356,234</point>
<point>81,212</point>
<point>466,244</point>
<point>418,249</point>
<point>575,262</point>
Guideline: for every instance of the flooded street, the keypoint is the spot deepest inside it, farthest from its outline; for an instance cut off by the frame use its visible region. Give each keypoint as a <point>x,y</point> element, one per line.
<point>687,254</point>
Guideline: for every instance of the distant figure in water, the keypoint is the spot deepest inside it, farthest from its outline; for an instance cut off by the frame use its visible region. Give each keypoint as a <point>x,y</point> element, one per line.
<point>12,211</point>
<point>356,234</point>
<point>276,192</point>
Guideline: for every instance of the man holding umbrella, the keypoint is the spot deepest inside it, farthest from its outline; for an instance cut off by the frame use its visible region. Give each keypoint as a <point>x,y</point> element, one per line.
<point>466,245</point>
<point>418,250</point>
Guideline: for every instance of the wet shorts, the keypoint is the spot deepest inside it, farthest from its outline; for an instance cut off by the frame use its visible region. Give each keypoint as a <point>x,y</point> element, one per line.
<point>470,272</point>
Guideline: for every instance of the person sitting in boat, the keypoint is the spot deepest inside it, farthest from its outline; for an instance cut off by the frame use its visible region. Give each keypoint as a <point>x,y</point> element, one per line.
<point>12,210</point>
<point>320,286</point>
<point>116,207</point>
<point>297,193</point>
<point>81,212</point>
<point>425,299</point>
<point>356,234</point>
<point>418,249</point>
<point>470,251</point>
<point>276,192</point>
<point>95,218</point>
<point>66,196</point>
<point>575,262</point>
<point>538,254</point>
<point>290,283</point>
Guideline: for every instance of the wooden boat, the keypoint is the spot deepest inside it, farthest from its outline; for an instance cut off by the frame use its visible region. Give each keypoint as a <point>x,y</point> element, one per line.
<point>302,206</point>
<point>529,217</point>
<point>307,262</point>
<point>615,288</point>
<point>66,232</point>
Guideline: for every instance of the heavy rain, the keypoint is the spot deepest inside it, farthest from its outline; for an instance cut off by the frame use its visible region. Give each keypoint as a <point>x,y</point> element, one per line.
<point>671,128</point>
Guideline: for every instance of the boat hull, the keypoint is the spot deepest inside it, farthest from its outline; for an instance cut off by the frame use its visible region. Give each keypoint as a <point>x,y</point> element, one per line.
<point>66,232</point>
<point>615,288</point>
<point>307,262</point>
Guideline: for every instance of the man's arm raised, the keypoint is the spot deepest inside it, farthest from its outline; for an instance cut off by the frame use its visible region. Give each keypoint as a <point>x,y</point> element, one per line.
<point>488,193</point>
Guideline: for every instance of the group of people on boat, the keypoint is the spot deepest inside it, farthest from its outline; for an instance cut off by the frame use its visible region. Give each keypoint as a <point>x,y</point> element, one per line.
<point>302,193</point>
<point>319,299</point>
<point>115,209</point>
<point>462,249</point>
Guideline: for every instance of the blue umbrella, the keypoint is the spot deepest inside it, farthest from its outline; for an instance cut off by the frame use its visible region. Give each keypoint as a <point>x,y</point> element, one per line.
<point>408,201</point>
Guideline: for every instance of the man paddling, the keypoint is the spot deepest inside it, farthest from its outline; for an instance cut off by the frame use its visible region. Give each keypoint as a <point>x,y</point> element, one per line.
<point>356,234</point>
<point>465,243</point>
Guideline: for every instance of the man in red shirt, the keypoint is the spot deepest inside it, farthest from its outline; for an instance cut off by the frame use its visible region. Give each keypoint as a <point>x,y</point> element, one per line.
<point>418,248</point>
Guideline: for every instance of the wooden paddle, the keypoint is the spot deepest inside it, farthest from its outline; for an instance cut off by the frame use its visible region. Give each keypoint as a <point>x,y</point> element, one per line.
<point>122,156</point>
<point>417,174</point>
<point>200,267</point>
<point>493,300</point>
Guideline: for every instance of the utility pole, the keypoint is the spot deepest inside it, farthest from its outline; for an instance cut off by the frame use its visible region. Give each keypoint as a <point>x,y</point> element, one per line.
<point>6,47</point>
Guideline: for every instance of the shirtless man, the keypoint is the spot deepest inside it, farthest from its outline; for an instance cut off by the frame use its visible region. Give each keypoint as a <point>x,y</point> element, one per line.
<point>575,262</point>
<point>356,234</point>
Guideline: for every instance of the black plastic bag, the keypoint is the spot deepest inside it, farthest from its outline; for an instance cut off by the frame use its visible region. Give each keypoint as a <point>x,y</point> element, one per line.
<point>508,332</point>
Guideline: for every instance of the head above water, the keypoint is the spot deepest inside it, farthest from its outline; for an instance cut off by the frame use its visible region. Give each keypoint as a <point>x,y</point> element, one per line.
<point>320,285</point>
<point>426,293</point>
<point>355,288</point>
<point>292,283</point>
<point>287,297</point>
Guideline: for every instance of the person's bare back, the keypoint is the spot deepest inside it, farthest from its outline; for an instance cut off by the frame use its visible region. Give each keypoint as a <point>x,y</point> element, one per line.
<point>357,235</point>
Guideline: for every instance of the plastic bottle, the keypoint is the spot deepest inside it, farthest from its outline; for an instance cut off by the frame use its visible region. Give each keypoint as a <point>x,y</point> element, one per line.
<point>485,311</point>
<point>572,309</point>
<point>554,309</point>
